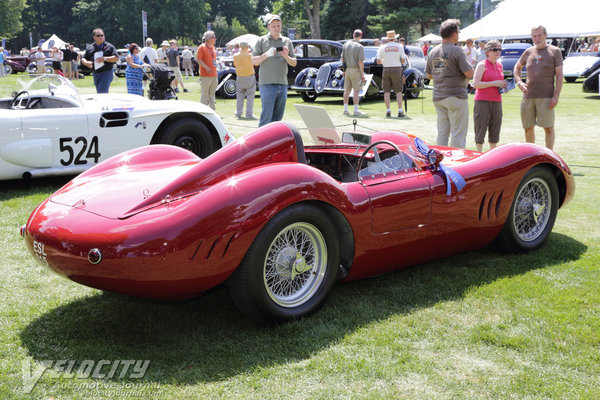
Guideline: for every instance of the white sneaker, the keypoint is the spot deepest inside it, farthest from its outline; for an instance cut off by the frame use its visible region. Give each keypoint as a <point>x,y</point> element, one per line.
<point>359,114</point>
<point>346,112</point>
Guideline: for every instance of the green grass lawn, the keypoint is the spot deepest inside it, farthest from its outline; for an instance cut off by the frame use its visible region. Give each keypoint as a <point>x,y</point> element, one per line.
<point>479,325</point>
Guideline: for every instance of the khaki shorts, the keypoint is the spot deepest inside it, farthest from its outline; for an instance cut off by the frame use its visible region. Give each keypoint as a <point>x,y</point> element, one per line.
<point>392,79</point>
<point>66,67</point>
<point>535,112</point>
<point>352,80</point>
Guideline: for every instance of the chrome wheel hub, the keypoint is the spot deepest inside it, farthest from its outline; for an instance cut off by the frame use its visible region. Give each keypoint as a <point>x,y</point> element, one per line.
<point>295,264</point>
<point>532,211</point>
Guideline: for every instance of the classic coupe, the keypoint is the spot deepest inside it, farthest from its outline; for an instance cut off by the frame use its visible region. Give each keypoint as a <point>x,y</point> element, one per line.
<point>280,222</point>
<point>49,129</point>
<point>329,79</point>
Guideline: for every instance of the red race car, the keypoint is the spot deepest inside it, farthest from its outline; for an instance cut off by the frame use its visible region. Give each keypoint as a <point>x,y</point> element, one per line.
<point>280,223</point>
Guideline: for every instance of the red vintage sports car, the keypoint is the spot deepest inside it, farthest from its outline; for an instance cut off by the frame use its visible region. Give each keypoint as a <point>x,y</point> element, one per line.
<point>280,223</point>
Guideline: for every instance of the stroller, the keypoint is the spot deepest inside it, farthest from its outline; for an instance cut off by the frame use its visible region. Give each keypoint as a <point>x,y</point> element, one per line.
<point>160,78</point>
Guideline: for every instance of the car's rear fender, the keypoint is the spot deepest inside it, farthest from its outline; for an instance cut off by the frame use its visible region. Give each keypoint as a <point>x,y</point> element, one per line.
<point>233,212</point>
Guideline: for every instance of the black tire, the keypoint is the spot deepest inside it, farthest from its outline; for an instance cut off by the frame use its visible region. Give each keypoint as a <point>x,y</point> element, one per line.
<point>532,212</point>
<point>570,79</point>
<point>8,69</point>
<point>309,97</point>
<point>298,284</point>
<point>228,90</point>
<point>190,134</point>
<point>413,94</point>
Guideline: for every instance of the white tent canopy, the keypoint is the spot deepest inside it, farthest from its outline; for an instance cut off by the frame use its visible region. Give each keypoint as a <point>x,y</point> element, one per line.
<point>513,19</point>
<point>248,38</point>
<point>432,37</point>
<point>53,41</point>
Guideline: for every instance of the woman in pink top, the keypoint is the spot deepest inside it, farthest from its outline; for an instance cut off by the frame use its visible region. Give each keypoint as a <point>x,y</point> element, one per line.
<point>488,79</point>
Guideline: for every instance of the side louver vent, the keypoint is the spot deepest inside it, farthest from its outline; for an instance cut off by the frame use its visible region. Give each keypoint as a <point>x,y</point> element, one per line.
<point>489,206</point>
<point>114,119</point>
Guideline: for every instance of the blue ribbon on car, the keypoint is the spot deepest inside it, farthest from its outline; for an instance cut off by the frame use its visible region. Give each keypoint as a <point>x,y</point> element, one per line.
<point>450,174</point>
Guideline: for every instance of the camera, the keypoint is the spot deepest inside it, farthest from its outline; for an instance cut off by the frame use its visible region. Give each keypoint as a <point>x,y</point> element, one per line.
<point>280,48</point>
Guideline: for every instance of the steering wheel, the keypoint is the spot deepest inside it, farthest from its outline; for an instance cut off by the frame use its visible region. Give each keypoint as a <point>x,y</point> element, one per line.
<point>376,154</point>
<point>16,103</point>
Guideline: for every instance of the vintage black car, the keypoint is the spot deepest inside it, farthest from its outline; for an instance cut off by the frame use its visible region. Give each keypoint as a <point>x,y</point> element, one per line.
<point>590,85</point>
<point>309,53</point>
<point>511,52</point>
<point>329,78</point>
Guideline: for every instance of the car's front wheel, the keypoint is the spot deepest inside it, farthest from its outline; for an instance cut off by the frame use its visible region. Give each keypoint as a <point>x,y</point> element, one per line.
<point>570,79</point>
<point>532,213</point>
<point>291,267</point>
<point>8,69</point>
<point>228,90</point>
<point>309,97</point>
<point>190,134</point>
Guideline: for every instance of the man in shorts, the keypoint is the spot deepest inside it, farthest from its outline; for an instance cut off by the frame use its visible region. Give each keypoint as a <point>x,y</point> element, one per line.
<point>392,56</point>
<point>544,64</point>
<point>173,62</point>
<point>448,67</point>
<point>353,57</point>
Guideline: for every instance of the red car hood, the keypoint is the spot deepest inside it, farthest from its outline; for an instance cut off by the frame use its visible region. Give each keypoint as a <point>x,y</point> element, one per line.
<point>147,177</point>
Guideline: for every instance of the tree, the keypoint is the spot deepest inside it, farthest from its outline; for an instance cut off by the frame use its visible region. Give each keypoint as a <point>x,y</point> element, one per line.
<point>313,12</point>
<point>338,25</point>
<point>10,18</point>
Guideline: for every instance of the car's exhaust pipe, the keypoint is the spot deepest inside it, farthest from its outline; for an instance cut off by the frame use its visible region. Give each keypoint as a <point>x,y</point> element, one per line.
<point>45,172</point>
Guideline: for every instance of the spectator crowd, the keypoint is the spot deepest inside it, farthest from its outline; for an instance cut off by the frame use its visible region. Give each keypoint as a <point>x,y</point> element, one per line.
<point>449,66</point>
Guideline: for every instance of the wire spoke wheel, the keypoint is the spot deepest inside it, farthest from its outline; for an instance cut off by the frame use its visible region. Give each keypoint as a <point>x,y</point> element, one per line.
<point>295,265</point>
<point>532,210</point>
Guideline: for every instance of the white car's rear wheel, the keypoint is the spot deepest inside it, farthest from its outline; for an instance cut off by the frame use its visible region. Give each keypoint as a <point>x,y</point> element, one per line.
<point>190,134</point>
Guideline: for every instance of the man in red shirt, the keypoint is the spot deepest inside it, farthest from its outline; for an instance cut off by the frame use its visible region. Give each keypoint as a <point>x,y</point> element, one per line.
<point>207,59</point>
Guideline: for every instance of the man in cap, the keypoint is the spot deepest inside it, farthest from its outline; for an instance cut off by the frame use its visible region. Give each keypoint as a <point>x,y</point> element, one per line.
<point>173,62</point>
<point>273,52</point>
<point>392,56</point>
<point>207,60</point>
<point>245,81</point>
<point>353,57</point>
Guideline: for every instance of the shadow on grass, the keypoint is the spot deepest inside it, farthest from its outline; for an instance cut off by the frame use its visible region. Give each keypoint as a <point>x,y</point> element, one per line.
<point>207,339</point>
<point>23,187</point>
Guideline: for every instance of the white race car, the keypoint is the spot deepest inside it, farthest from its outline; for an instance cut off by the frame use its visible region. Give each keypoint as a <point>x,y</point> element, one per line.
<point>49,129</point>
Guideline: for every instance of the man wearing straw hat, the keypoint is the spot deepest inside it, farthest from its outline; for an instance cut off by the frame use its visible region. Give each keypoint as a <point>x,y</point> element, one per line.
<point>392,56</point>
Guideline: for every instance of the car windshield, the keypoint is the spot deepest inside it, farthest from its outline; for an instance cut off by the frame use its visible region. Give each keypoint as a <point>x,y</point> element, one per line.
<point>370,54</point>
<point>585,54</point>
<point>53,84</point>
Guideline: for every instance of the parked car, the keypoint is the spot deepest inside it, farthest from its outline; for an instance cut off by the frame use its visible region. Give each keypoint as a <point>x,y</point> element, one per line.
<point>511,52</point>
<point>12,65</point>
<point>329,79</point>
<point>32,65</point>
<point>590,85</point>
<point>417,58</point>
<point>580,65</point>
<point>49,129</point>
<point>121,65</point>
<point>309,53</point>
<point>280,222</point>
